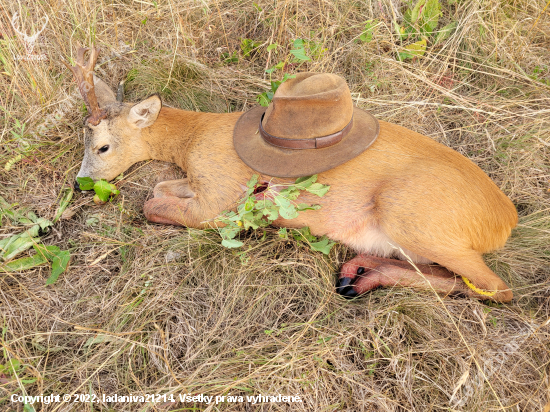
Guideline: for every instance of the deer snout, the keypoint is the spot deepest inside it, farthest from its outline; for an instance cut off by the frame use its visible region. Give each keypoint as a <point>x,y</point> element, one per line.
<point>76,186</point>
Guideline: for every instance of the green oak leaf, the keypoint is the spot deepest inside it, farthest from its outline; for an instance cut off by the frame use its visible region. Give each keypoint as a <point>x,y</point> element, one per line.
<point>288,212</point>
<point>85,183</point>
<point>231,243</point>
<point>290,193</point>
<point>59,265</point>
<point>323,246</point>
<point>252,182</point>
<point>303,183</point>
<point>304,206</point>
<point>318,189</point>
<point>103,189</point>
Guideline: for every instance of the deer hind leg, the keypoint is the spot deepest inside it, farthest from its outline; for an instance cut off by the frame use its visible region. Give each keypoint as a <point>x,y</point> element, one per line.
<point>470,264</point>
<point>173,188</point>
<point>364,273</point>
<point>455,254</point>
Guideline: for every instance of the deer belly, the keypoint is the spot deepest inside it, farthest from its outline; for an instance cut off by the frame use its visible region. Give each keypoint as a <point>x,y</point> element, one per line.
<point>371,240</point>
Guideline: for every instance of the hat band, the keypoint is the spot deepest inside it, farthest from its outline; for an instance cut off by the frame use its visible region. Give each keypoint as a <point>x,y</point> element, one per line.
<point>314,143</point>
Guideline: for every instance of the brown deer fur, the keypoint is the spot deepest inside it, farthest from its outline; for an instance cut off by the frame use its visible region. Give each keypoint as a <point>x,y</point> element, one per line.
<point>406,191</point>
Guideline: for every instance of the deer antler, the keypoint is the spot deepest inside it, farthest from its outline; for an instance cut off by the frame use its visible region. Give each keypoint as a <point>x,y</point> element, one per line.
<point>84,75</point>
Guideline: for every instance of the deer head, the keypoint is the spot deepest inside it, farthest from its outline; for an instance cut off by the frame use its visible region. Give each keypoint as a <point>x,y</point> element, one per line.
<point>112,132</point>
<point>28,40</point>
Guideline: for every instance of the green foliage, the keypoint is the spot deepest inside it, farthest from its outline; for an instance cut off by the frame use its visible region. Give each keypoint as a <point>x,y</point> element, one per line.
<point>229,58</point>
<point>248,46</point>
<point>14,370</point>
<point>59,258</point>
<point>368,32</point>
<point>11,367</point>
<point>419,28</point>
<point>425,15</point>
<point>416,49</point>
<point>19,135</point>
<point>264,203</point>
<point>323,244</point>
<point>103,189</point>
<point>298,55</point>
<point>18,131</point>
<point>299,52</point>
<point>445,32</point>
<point>85,183</point>
<point>20,265</point>
<point>16,244</point>
<point>65,200</point>
<point>539,74</point>
<point>316,49</point>
<point>265,98</point>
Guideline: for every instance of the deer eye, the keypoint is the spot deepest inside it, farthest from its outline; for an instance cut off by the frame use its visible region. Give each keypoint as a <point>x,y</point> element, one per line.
<point>104,149</point>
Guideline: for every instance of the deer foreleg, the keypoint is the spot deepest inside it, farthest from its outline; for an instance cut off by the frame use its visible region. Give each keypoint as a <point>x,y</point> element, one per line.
<point>176,211</point>
<point>175,188</point>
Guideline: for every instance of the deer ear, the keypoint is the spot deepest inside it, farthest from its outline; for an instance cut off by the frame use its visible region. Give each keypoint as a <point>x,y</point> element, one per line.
<point>105,95</point>
<point>146,112</point>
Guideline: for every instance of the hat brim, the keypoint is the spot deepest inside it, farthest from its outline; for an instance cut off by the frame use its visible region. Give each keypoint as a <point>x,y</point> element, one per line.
<point>274,161</point>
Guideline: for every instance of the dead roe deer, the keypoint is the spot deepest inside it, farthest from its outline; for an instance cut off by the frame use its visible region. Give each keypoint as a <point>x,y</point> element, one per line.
<point>406,195</point>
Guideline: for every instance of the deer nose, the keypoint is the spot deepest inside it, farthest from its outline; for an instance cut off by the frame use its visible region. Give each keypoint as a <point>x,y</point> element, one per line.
<point>77,186</point>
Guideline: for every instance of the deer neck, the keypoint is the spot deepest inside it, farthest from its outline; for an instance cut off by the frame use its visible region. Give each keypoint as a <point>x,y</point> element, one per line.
<point>169,137</point>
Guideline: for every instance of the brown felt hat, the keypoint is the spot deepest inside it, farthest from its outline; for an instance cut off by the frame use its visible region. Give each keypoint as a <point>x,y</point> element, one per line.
<point>310,126</point>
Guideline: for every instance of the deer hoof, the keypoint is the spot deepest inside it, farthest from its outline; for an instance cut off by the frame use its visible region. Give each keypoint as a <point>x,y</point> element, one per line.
<point>344,287</point>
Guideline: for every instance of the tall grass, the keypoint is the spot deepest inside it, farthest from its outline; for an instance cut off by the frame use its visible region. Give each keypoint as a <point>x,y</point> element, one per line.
<point>146,309</point>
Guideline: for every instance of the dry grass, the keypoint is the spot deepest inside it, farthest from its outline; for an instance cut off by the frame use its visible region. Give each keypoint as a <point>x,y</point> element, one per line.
<point>169,311</point>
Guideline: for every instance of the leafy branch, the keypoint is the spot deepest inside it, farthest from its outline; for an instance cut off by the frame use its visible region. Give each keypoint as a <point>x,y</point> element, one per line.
<point>324,244</point>
<point>263,204</point>
<point>297,55</point>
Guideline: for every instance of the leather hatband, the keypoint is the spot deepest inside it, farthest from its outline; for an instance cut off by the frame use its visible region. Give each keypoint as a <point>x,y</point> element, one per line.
<point>314,143</point>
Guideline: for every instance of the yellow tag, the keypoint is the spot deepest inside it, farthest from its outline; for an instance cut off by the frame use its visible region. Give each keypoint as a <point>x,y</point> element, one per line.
<point>476,290</point>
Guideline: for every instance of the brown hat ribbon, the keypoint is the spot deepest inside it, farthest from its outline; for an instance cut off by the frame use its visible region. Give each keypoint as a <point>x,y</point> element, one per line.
<point>315,143</point>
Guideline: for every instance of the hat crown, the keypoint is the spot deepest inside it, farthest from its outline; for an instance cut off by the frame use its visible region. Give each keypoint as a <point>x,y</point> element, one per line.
<point>308,106</point>
<point>310,126</point>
